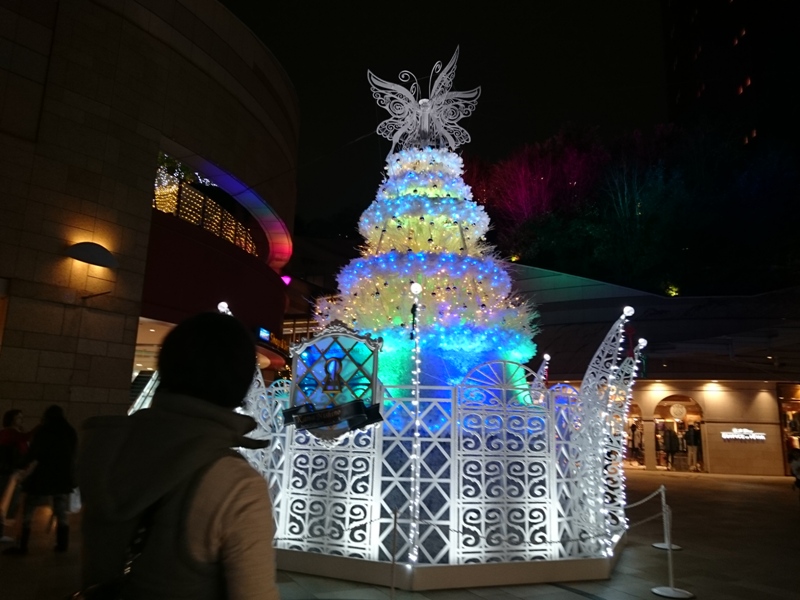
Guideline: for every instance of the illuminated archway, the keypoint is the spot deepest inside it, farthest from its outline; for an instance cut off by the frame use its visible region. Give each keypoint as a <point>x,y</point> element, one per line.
<point>678,435</point>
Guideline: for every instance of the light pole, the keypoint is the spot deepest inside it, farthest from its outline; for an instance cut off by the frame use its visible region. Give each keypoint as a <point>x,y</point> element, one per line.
<point>413,532</point>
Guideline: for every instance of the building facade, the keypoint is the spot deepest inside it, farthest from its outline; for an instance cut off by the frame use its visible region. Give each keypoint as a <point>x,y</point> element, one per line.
<point>93,93</point>
<point>728,368</point>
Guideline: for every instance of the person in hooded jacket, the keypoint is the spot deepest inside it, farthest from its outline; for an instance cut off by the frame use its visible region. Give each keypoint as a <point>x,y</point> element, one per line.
<point>212,528</point>
<point>48,472</point>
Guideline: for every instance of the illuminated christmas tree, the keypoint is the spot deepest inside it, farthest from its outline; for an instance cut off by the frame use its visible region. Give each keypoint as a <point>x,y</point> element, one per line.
<point>424,227</point>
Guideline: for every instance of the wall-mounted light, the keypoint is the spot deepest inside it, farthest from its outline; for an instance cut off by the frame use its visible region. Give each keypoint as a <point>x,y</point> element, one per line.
<point>92,253</point>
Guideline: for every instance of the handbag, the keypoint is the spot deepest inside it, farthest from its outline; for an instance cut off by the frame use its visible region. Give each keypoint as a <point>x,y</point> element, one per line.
<point>74,501</point>
<point>112,590</point>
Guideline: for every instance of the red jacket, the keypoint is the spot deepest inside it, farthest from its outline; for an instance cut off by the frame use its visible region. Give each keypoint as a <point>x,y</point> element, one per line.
<point>13,447</point>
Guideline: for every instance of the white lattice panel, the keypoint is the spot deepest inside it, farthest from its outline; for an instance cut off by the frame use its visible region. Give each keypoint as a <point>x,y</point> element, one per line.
<point>508,470</point>
<point>329,500</point>
<point>504,456</point>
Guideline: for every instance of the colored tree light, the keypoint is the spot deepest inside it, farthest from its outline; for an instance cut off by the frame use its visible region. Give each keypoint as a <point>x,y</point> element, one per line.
<point>423,227</point>
<point>472,458</point>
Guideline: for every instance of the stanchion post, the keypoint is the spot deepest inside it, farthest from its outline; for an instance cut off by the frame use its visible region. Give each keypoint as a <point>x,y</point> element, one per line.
<point>670,591</point>
<point>668,541</point>
<point>665,545</point>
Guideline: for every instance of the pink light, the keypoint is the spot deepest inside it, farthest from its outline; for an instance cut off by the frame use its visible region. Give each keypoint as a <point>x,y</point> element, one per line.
<point>286,279</point>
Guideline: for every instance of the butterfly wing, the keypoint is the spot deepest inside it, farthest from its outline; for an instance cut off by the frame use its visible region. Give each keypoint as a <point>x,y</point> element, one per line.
<point>448,110</point>
<point>441,86</point>
<point>400,103</point>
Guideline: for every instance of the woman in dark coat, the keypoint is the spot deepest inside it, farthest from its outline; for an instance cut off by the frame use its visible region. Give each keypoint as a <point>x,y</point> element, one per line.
<point>50,473</point>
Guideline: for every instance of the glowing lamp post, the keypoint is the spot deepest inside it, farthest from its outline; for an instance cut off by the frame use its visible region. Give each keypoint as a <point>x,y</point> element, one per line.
<point>413,536</point>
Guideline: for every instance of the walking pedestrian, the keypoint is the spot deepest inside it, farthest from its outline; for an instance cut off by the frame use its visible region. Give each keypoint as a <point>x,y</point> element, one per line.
<point>48,474</point>
<point>13,448</point>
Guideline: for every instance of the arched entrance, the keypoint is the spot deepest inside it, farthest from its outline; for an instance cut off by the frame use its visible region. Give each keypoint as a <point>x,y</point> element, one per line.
<point>678,434</point>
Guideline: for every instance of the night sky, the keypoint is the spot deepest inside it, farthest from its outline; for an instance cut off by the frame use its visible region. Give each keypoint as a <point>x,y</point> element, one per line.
<point>540,67</point>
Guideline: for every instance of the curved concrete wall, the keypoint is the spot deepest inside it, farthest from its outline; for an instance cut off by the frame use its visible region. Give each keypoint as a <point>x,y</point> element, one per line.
<point>92,90</point>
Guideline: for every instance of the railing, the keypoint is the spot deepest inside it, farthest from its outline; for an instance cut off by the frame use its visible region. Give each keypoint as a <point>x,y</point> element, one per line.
<point>187,203</point>
<point>145,397</point>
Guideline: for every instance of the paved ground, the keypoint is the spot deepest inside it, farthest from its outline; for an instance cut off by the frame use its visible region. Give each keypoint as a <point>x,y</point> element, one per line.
<point>740,538</point>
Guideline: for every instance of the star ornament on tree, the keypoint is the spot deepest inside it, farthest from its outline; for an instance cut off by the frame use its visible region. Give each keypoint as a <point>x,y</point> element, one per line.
<point>420,122</point>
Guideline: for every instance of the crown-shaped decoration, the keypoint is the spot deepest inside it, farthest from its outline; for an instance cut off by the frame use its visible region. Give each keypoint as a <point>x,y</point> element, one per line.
<point>419,122</point>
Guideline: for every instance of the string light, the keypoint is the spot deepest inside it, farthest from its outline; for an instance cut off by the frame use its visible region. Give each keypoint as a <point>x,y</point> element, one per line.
<point>429,285</point>
<point>416,450</point>
<point>424,227</point>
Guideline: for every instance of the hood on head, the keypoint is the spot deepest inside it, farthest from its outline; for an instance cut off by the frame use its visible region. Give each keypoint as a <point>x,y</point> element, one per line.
<point>128,463</point>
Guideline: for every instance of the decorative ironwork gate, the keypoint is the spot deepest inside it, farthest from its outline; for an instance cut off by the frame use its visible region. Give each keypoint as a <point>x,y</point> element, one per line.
<point>498,479</point>
<point>506,442</point>
<point>498,469</point>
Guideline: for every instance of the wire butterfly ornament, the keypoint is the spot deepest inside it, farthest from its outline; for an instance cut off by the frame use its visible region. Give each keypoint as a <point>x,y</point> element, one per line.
<point>430,121</point>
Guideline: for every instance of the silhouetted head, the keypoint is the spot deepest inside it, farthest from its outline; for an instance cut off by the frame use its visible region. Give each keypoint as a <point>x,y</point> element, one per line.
<point>211,356</point>
<point>10,416</point>
<point>53,413</point>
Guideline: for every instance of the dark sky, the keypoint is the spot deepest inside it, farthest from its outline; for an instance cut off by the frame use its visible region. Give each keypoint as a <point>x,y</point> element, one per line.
<point>596,63</point>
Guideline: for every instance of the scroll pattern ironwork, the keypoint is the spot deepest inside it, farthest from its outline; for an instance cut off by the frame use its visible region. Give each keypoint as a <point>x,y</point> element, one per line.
<point>504,510</point>
<point>510,469</point>
<point>265,404</point>
<point>331,504</point>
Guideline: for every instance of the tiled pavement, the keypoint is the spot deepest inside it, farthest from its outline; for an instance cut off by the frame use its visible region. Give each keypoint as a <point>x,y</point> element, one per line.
<point>740,538</point>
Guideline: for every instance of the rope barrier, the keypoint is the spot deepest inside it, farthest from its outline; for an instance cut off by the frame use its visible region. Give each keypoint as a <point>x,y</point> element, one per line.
<point>645,499</point>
